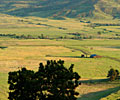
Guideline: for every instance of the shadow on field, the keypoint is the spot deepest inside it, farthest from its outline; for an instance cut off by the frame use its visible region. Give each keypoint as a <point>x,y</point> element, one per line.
<point>94,81</point>
<point>64,56</point>
<point>67,56</point>
<point>99,81</point>
<point>98,95</point>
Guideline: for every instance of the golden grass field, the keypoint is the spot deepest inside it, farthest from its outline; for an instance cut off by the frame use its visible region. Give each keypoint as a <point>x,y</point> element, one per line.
<point>36,26</point>
<point>30,52</point>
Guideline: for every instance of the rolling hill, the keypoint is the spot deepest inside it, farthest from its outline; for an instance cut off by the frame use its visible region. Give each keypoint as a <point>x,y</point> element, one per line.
<point>108,9</point>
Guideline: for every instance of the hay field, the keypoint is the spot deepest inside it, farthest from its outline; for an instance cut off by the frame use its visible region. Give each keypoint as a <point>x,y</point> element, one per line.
<point>36,26</point>
<point>29,53</point>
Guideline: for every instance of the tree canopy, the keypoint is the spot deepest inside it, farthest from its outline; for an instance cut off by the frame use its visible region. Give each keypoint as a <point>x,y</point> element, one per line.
<point>52,81</point>
<point>113,74</point>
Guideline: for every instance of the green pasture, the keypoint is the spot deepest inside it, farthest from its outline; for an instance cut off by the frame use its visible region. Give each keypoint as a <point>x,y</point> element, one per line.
<point>3,86</point>
<point>36,26</point>
<point>29,53</point>
<point>17,53</point>
<point>112,96</point>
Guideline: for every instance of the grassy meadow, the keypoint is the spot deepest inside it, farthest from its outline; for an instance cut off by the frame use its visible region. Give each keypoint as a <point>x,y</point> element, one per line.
<point>29,53</point>
<point>17,53</point>
<point>36,26</point>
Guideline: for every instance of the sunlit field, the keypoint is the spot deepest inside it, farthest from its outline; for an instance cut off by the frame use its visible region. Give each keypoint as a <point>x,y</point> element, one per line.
<point>18,53</point>
<point>29,53</point>
<point>36,26</point>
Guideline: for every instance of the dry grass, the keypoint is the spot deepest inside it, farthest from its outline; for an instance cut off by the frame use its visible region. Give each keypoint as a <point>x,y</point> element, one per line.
<point>29,53</point>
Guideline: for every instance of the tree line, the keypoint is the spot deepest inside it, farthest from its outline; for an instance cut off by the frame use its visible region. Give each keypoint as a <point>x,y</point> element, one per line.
<point>75,36</point>
<point>42,36</point>
<point>98,24</point>
<point>23,36</point>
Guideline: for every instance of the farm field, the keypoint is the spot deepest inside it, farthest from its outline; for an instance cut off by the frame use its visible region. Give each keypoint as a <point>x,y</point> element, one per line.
<point>113,96</point>
<point>34,31</point>
<point>17,53</point>
<point>36,26</point>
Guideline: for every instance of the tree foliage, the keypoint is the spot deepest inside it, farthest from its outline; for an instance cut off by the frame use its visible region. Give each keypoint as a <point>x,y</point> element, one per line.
<point>113,74</point>
<point>52,81</point>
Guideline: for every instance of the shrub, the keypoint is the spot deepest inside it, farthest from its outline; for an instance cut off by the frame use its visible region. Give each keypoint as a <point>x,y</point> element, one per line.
<point>113,74</point>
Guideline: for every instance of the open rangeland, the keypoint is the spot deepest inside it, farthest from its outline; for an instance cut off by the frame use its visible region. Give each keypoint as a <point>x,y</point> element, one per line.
<point>34,31</point>
<point>15,54</point>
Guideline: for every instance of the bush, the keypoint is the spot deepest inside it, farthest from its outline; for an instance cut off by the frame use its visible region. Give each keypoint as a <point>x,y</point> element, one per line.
<point>51,82</point>
<point>113,74</point>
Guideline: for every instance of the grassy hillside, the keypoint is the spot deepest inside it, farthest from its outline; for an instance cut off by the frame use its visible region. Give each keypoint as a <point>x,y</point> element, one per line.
<point>16,53</point>
<point>113,96</point>
<point>36,26</point>
<point>63,8</point>
<point>98,19</point>
<point>47,8</point>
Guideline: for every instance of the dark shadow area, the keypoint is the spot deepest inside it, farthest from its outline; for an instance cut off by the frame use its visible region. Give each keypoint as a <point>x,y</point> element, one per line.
<point>94,81</point>
<point>98,81</point>
<point>3,47</point>
<point>67,56</point>
<point>98,95</point>
<point>112,58</point>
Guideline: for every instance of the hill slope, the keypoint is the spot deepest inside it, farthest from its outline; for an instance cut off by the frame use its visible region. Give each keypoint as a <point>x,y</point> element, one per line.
<point>58,8</point>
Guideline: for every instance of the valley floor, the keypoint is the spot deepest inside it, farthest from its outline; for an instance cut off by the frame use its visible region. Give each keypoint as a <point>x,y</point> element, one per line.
<point>28,53</point>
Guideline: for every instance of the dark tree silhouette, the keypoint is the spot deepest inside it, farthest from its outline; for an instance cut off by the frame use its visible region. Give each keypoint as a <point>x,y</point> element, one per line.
<point>52,81</point>
<point>113,74</point>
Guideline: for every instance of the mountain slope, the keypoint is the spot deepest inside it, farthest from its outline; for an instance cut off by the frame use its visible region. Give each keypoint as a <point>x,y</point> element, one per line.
<point>58,8</point>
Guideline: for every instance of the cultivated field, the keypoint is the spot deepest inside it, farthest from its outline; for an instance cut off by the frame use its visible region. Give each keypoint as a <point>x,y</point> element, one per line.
<point>36,26</point>
<point>29,53</point>
<point>17,53</point>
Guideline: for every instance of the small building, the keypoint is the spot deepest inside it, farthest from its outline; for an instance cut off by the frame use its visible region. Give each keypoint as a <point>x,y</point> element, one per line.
<point>95,56</point>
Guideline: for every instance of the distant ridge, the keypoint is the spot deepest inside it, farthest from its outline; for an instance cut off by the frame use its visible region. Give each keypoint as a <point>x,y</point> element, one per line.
<point>108,9</point>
